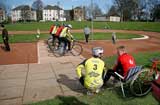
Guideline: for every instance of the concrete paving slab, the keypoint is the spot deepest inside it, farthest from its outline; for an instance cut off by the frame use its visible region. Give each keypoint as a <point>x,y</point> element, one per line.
<point>2,67</point>
<point>67,76</point>
<point>11,83</point>
<point>76,93</point>
<point>40,68</point>
<point>11,92</point>
<point>16,67</point>
<point>63,68</point>
<point>40,94</point>
<point>38,90</point>
<point>15,101</point>
<point>38,76</point>
<point>71,85</point>
<point>13,75</point>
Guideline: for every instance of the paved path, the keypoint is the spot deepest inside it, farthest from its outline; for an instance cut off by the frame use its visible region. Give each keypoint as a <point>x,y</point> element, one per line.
<point>26,83</point>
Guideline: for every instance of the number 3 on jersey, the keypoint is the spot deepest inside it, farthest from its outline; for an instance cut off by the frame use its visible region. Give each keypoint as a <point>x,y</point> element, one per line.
<point>95,67</point>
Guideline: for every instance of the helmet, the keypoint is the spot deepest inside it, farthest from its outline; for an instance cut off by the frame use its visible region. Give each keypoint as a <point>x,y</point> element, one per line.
<point>97,51</point>
<point>69,25</point>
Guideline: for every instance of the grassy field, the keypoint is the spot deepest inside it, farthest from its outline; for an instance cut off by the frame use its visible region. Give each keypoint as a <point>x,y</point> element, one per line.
<point>109,96</point>
<point>78,36</point>
<point>146,26</point>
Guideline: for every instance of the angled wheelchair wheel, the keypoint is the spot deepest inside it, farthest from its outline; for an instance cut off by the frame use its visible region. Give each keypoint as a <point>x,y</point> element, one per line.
<point>141,83</point>
<point>76,50</point>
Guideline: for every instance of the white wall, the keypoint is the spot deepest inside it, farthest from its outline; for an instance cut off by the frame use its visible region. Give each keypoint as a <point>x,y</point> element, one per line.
<point>114,19</point>
<point>52,15</point>
<point>16,15</point>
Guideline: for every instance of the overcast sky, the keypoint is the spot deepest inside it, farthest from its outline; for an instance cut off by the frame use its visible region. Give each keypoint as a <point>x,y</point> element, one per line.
<point>66,4</point>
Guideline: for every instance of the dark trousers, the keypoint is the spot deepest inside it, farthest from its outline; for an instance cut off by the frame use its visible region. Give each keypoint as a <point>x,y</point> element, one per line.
<point>7,47</point>
<point>66,42</point>
<point>81,80</point>
<point>86,37</point>
<point>113,40</point>
<point>110,73</point>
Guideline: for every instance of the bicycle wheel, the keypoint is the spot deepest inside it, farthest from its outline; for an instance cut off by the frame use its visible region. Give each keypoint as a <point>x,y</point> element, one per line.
<point>60,50</point>
<point>50,43</point>
<point>76,50</point>
<point>141,83</point>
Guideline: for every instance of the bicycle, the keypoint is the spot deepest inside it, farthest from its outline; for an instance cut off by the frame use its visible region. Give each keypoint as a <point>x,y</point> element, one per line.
<point>141,83</point>
<point>51,44</point>
<point>58,48</point>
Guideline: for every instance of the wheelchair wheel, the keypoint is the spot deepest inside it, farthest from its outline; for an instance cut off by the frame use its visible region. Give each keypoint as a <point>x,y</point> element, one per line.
<point>141,83</point>
<point>76,50</point>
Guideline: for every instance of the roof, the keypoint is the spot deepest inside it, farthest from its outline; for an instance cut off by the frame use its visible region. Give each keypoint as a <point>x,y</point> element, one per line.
<point>114,14</point>
<point>50,7</point>
<point>78,8</point>
<point>23,7</point>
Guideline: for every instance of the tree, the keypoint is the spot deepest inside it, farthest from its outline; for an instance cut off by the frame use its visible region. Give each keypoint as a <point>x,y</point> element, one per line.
<point>156,13</point>
<point>112,11</point>
<point>93,9</point>
<point>126,8</point>
<point>25,13</point>
<point>38,6</point>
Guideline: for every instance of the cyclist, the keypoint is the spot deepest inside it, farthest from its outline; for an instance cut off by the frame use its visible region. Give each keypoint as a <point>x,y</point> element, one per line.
<point>94,70</point>
<point>123,64</point>
<point>58,32</point>
<point>52,31</point>
<point>66,36</point>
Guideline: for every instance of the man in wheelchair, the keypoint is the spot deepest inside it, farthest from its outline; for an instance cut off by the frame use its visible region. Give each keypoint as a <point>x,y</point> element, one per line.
<point>122,66</point>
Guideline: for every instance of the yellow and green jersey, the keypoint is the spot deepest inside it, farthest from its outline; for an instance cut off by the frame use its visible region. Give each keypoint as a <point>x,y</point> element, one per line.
<point>94,68</point>
<point>66,33</point>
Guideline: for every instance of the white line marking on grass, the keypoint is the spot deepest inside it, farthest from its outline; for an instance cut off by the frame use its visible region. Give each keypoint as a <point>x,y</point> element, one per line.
<point>144,37</point>
<point>38,53</point>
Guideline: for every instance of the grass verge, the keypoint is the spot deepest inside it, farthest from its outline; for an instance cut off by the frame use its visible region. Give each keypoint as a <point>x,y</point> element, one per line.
<point>78,36</point>
<point>145,26</point>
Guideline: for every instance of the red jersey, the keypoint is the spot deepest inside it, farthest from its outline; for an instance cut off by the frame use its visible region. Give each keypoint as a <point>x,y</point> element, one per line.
<point>124,63</point>
<point>59,30</point>
<point>51,29</point>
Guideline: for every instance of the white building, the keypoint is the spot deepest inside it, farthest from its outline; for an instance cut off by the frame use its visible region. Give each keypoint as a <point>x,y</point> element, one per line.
<point>2,15</point>
<point>53,13</point>
<point>114,18</point>
<point>23,12</point>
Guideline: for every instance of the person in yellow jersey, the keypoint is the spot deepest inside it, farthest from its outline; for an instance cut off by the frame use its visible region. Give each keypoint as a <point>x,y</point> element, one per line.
<point>66,36</point>
<point>94,69</point>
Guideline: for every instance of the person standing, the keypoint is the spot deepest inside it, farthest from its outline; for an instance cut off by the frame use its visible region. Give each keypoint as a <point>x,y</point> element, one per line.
<point>114,38</point>
<point>5,37</point>
<point>87,33</point>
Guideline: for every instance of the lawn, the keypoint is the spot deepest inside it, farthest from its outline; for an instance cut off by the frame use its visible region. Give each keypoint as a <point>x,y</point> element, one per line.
<point>146,26</point>
<point>78,36</point>
<point>109,96</point>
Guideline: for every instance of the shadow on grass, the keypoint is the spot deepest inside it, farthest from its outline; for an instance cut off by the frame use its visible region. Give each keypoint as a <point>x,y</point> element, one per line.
<point>60,100</point>
<point>72,84</point>
<point>71,100</point>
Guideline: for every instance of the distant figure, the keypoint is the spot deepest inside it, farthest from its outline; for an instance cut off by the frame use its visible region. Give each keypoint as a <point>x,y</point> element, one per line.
<point>114,38</point>
<point>38,33</point>
<point>87,33</point>
<point>5,37</point>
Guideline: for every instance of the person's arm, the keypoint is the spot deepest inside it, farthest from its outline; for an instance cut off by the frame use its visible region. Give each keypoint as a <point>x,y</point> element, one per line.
<point>50,31</point>
<point>69,35</point>
<point>79,69</point>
